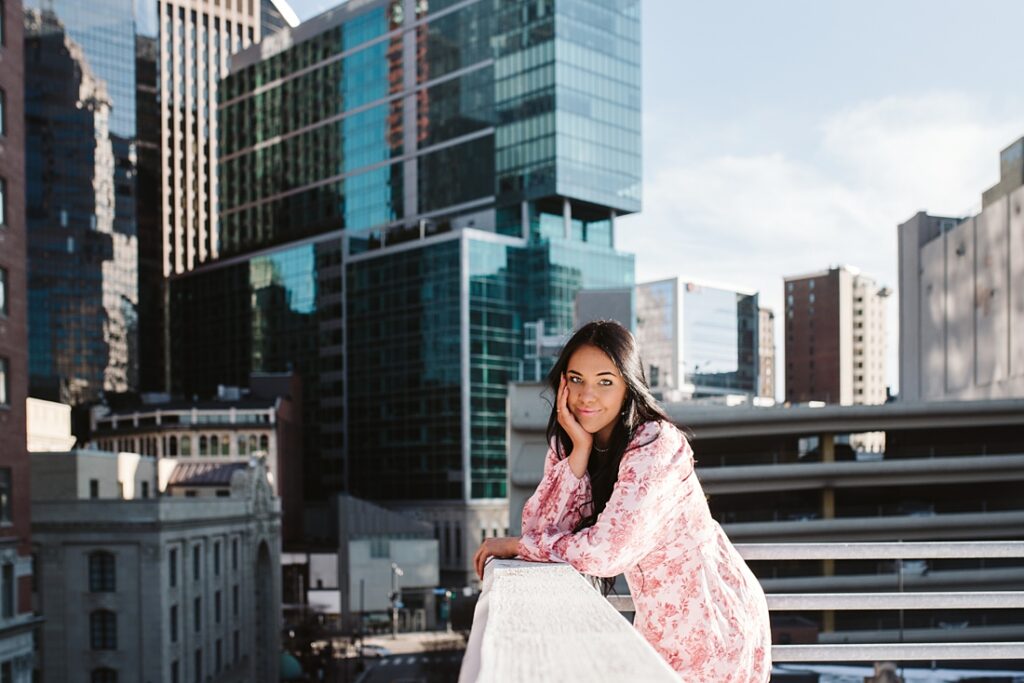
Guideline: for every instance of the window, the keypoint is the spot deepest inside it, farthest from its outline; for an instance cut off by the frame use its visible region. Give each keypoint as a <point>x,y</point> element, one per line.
<point>103,630</point>
<point>234,599</point>
<point>7,588</point>
<point>186,445</point>
<point>225,444</point>
<point>242,443</point>
<point>216,558</point>
<point>175,672</point>
<point>216,607</point>
<point>203,447</point>
<point>94,488</point>
<point>7,672</point>
<point>199,666</point>
<point>264,444</point>
<point>3,22</point>
<point>3,201</point>
<point>174,623</point>
<point>173,448</point>
<point>218,661</point>
<point>5,384</point>
<point>103,675</point>
<point>5,495</point>
<point>145,489</point>
<point>196,559</point>
<point>102,572</point>
<point>4,308</point>
<point>197,615</point>
<point>234,553</point>
<point>172,561</point>
<point>238,654</point>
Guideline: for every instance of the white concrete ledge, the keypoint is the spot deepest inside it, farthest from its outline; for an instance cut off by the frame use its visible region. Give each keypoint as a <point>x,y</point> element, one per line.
<point>545,622</point>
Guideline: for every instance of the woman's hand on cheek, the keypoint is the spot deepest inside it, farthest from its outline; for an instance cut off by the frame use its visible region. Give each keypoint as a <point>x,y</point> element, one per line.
<point>582,440</point>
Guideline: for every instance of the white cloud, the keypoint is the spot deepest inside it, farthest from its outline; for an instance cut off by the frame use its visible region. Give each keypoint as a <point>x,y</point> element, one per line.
<point>749,219</point>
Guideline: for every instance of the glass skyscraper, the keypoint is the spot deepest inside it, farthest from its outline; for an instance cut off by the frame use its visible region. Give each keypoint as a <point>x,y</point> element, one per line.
<point>81,191</point>
<point>698,340</point>
<point>403,185</point>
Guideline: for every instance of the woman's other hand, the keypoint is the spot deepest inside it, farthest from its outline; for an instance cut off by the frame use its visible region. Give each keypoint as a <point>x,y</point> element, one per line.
<point>502,548</point>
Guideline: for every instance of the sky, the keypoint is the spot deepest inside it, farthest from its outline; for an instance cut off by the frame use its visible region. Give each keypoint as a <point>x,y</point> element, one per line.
<point>781,138</point>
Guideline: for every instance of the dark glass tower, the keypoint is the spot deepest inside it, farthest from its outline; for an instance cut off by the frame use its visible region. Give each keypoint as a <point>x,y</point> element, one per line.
<point>80,177</point>
<point>403,185</point>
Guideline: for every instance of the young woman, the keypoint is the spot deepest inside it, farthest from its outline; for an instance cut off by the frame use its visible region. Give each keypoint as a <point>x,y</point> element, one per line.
<point>619,495</point>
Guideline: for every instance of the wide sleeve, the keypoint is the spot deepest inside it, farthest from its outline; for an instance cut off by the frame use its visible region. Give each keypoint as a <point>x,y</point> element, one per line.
<point>644,500</point>
<point>559,497</point>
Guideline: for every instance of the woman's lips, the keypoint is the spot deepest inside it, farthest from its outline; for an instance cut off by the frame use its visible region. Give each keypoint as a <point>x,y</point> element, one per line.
<point>583,412</point>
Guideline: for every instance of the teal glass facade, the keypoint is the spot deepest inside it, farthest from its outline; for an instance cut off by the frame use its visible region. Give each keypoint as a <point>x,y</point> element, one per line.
<point>391,226</point>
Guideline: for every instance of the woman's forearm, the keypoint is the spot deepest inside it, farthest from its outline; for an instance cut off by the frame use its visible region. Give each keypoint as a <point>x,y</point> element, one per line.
<point>578,460</point>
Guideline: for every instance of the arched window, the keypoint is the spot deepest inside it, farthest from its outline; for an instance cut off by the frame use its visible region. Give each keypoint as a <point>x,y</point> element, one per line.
<point>103,630</point>
<point>252,443</point>
<point>186,445</point>
<point>103,676</point>
<point>203,448</point>
<point>102,572</point>
<point>264,443</point>
<point>214,445</point>
<point>225,444</point>
<point>243,441</point>
<point>173,443</point>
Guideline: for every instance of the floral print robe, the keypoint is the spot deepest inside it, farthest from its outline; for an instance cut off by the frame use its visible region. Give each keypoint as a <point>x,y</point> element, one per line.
<point>696,601</point>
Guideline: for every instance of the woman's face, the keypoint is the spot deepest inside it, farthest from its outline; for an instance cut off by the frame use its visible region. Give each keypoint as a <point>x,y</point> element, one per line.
<point>596,391</point>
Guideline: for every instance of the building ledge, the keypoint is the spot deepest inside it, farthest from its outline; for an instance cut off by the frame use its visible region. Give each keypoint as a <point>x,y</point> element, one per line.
<point>545,622</point>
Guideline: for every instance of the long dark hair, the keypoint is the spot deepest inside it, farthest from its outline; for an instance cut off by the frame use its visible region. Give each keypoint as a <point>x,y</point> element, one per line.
<point>638,407</point>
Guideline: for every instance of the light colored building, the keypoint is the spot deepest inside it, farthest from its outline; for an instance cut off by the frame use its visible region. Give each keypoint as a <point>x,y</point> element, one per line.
<point>962,297</point>
<point>698,339</point>
<point>766,353</point>
<point>835,337</point>
<point>262,421</point>
<point>163,589</point>
<point>95,475</point>
<point>48,425</point>
<point>196,38</point>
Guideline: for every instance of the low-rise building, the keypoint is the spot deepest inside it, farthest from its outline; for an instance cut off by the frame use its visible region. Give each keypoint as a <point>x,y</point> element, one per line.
<point>163,589</point>
<point>264,421</point>
<point>379,552</point>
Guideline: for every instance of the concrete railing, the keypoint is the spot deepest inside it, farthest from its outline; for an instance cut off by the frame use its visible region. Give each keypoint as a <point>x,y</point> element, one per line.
<point>546,622</point>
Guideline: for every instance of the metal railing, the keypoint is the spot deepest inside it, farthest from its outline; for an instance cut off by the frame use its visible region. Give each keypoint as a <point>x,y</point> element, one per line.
<point>877,601</point>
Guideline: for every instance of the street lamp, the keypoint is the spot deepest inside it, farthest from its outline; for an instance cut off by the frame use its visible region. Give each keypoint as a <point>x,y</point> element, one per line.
<point>396,571</point>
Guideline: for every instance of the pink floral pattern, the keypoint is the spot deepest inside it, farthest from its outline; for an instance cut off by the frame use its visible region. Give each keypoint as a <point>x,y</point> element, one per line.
<point>696,601</point>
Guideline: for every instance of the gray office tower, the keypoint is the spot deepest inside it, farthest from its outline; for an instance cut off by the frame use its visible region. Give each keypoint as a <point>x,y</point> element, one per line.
<point>403,187</point>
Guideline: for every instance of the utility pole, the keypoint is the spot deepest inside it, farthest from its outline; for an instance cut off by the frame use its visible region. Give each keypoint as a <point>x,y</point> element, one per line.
<point>396,571</point>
